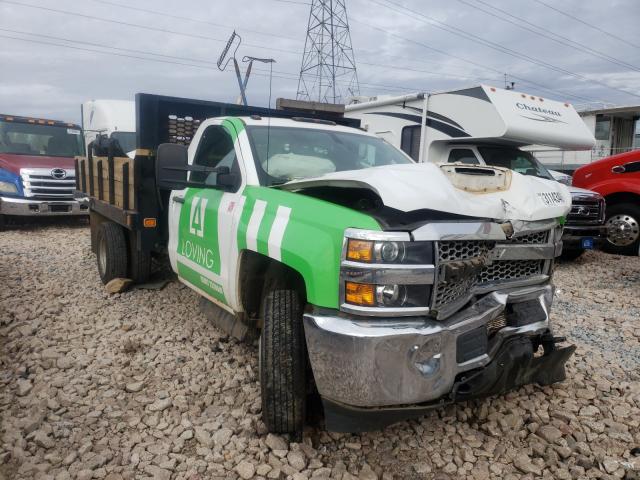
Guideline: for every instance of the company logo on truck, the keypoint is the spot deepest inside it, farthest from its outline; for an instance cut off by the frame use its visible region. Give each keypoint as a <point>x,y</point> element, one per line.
<point>540,114</point>
<point>196,222</point>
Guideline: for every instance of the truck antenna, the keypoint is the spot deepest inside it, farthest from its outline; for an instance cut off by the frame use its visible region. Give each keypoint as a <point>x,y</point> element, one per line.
<point>225,58</point>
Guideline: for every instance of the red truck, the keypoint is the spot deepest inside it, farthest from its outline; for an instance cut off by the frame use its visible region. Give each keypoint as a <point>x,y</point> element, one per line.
<point>37,174</point>
<point>617,179</point>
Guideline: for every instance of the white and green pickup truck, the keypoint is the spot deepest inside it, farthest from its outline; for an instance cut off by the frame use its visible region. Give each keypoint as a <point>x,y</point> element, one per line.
<point>385,286</point>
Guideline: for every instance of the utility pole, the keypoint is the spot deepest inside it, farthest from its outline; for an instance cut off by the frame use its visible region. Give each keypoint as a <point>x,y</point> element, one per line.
<point>328,72</point>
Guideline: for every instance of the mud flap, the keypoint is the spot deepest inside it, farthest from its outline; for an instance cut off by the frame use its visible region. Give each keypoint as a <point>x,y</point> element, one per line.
<point>513,366</point>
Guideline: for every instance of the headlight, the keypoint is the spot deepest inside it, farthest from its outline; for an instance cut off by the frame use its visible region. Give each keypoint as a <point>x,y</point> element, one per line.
<point>385,252</point>
<point>385,273</point>
<point>8,187</point>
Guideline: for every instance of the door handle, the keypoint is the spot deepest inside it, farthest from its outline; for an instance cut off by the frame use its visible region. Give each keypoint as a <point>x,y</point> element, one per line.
<point>178,199</point>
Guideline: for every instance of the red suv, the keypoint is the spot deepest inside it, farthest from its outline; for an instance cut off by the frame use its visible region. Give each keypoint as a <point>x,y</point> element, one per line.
<point>617,179</point>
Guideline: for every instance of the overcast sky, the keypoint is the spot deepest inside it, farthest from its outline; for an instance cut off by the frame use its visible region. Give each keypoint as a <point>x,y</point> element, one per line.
<point>40,79</point>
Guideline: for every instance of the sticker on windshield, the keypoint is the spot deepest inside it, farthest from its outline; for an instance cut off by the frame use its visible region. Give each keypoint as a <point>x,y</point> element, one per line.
<point>73,131</point>
<point>550,198</point>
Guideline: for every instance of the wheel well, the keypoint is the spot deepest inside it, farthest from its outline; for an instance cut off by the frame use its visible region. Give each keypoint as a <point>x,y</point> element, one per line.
<point>622,197</point>
<point>253,273</point>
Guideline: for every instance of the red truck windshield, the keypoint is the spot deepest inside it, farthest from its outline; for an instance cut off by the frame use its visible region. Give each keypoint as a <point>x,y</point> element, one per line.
<point>40,140</point>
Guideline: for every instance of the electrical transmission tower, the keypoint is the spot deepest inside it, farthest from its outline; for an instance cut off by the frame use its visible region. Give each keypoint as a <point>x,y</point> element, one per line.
<point>328,73</point>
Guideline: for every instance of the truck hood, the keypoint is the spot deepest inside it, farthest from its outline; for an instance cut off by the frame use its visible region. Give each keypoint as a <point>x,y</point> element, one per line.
<point>456,189</point>
<point>13,162</point>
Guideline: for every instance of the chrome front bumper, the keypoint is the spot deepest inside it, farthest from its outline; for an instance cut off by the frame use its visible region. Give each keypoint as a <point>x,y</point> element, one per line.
<point>29,207</point>
<point>380,362</point>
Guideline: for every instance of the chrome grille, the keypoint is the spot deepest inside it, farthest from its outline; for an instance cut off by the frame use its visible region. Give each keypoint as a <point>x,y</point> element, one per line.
<point>586,211</point>
<point>535,238</point>
<point>40,184</point>
<point>501,270</point>
<point>461,257</point>
<point>498,323</point>
<point>449,292</point>
<point>456,250</point>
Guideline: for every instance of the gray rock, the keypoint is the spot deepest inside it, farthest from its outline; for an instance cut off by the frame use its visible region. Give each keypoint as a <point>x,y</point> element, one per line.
<point>245,469</point>
<point>275,442</point>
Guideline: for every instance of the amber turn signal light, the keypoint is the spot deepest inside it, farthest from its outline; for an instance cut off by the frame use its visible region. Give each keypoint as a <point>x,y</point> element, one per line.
<point>360,294</point>
<point>149,222</point>
<point>359,250</point>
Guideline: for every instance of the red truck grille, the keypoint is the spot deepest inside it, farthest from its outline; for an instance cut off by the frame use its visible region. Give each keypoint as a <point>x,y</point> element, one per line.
<point>48,184</point>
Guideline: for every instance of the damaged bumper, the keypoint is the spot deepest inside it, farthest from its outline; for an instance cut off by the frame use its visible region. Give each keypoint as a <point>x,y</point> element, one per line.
<point>374,372</point>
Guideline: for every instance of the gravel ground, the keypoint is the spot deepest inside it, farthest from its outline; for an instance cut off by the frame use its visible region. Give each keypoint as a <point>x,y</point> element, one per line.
<point>140,385</point>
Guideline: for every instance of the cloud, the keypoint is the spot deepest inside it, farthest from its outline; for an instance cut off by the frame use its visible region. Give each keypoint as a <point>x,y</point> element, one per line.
<point>46,80</point>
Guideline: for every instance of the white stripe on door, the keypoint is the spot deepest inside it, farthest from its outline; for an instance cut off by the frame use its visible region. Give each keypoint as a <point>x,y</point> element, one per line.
<point>254,224</point>
<point>277,232</point>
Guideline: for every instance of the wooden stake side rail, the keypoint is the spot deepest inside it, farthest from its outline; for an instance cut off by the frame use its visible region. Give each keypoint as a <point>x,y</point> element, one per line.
<point>109,179</point>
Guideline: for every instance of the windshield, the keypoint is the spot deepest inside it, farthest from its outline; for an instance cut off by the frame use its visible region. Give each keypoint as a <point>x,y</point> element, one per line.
<point>127,140</point>
<point>41,140</point>
<point>296,153</point>
<point>514,159</point>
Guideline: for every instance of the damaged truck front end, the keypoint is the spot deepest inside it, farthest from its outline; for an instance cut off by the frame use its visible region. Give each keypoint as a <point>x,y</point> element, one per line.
<point>442,310</point>
<point>447,312</point>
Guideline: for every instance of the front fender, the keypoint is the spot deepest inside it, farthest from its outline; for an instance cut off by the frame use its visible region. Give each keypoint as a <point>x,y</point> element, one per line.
<point>302,232</point>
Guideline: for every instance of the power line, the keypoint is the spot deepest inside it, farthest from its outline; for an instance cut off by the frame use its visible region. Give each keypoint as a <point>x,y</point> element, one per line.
<point>189,19</point>
<point>145,27</point>
<point>523,80</point>
<point>175,60</point>
<point>495,46</point>
<point>537,30</point>
<point>471,62</point>
<point>587,23</point>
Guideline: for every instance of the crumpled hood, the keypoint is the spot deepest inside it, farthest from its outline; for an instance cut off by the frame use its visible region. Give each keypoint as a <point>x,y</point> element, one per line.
<point>412,187</point>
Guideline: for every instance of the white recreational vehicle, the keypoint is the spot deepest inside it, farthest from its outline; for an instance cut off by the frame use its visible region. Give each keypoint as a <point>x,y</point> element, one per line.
<point>113,118</point>
<point>488,126</point>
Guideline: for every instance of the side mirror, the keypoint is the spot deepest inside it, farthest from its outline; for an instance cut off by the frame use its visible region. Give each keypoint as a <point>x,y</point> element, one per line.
<point>171,166</point>
<point>228,181</point>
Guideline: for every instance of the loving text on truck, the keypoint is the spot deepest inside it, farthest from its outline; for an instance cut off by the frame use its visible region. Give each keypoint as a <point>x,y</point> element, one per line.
<point>385,286</point>
<point>37,174</point>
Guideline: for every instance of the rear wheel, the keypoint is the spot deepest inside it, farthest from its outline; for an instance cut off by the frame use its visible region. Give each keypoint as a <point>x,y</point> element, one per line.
<point>623,224</point>
<point>111,252</point>
<point>140,267</point>
<point>283,361</point>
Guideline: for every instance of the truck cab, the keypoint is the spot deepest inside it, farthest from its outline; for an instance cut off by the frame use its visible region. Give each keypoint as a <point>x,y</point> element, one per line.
<point>617,179</point>
<point>383,297</point>
<point>114,119</point>
<point>37,174</point>
<point>489,126</point>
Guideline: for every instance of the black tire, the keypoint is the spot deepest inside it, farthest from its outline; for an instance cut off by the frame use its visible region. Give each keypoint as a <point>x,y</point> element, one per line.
<point>140,266</point>
<point>569,254</point>
<point>283,362</point>
<point>625,215</point>
<point>111,252</point>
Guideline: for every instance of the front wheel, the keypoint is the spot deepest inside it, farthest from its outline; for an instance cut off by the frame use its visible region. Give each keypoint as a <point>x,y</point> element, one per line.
<point>283,362</point>
<point>623,229</point>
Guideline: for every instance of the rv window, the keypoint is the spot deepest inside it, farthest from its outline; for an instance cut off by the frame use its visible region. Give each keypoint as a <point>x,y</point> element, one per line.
<point>603,128</point>
<point>463,155</point>
<point>514,159</point>
<point>410,143</point>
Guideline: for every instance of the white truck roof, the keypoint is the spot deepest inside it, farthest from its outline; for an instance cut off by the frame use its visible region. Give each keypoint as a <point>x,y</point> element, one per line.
<point>109,116</point>
<point>484,113</point>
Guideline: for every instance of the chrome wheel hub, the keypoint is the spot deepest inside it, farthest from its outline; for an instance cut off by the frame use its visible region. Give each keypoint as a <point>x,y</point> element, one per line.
<point>102,255</point>
<point>623,230</point>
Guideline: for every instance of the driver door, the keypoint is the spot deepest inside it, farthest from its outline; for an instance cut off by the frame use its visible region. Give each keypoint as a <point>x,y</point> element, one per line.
<point>204,221</point>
